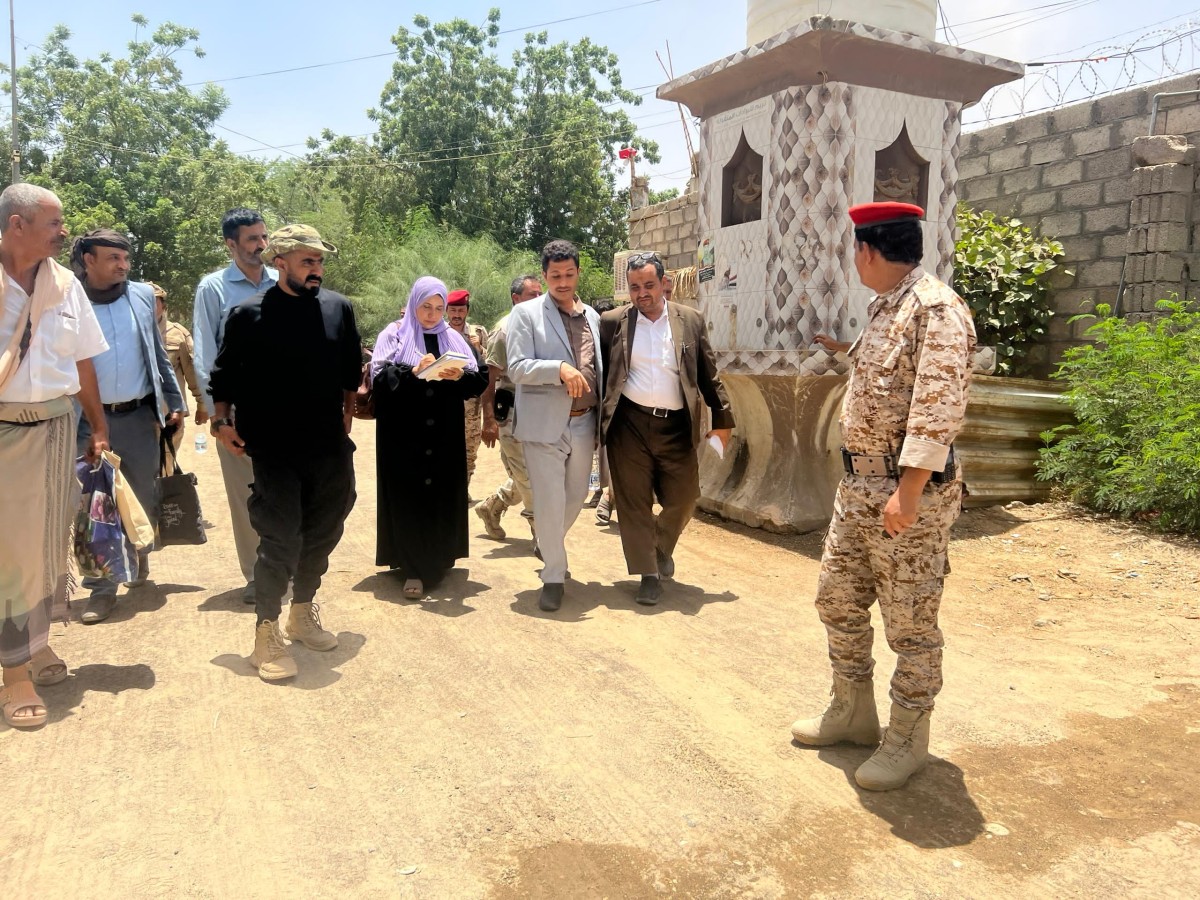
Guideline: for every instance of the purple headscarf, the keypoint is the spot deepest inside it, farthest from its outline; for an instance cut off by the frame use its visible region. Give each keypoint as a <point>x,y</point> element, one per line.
<point>403,342</point>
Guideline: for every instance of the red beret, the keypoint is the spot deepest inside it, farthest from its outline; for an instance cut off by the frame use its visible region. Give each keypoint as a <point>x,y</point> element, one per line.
<point>459,298</point>
<point>884,213</point>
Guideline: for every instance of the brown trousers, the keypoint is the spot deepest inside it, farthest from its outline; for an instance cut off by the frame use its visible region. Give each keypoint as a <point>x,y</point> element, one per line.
<point>651,459</point>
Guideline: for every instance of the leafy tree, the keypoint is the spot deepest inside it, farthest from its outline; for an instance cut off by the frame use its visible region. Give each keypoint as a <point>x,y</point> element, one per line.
<point>524,152</point>
<point>125,144</point>
<point>663,196</point>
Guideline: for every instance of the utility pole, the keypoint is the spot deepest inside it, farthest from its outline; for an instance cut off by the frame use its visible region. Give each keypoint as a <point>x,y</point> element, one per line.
<point>16,146</point>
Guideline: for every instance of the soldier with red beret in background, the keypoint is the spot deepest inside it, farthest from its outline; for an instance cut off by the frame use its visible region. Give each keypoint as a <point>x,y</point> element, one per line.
<point>458,306</point>
<point>905,403</point>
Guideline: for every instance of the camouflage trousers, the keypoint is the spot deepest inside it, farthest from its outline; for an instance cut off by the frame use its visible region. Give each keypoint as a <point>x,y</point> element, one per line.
<point>473,411</point>
<point>861,564</point>
<point>516,489</point>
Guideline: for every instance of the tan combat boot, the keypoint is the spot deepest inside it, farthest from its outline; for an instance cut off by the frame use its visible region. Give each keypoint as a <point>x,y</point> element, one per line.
<point>490,515</point>
<point>304,625</point>
<point>851,716</point>
<point>904,750</point>
<point>271,655</point>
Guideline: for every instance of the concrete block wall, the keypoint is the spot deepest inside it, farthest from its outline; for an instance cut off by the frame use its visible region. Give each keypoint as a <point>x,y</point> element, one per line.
<point>669,227</point>
<point>1070,174</point>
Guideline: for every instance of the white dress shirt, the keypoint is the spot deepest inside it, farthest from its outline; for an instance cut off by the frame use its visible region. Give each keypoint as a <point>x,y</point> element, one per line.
<point>66,334</point>
<point>653,378</point>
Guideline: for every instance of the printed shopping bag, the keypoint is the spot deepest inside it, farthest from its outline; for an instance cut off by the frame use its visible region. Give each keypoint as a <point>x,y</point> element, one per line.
<point>103,549</point>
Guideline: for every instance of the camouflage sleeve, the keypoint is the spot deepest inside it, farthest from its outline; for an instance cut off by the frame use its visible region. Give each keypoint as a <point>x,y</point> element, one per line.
<point>945,342</point>
<point>188,358</point>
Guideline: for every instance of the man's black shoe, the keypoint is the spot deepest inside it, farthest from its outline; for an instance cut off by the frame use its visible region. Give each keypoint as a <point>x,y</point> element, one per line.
<point>249,595</point>
<point>666,564</point>
<point>99,607</point>
<point>649,591</point>
<point>552,594</point>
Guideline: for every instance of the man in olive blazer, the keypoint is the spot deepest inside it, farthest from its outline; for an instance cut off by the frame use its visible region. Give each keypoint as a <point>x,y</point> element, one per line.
<point>660,373</point>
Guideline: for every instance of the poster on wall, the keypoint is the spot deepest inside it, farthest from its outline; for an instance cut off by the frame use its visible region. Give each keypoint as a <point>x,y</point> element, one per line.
<point>706,261</point>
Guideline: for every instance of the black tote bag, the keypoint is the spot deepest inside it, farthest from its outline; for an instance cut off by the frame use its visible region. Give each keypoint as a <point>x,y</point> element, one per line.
<point>179,518</point>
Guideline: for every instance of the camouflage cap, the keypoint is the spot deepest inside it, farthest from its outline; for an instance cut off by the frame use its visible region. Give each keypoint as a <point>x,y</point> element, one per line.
<point>292,237</point>
<point>160,292</point>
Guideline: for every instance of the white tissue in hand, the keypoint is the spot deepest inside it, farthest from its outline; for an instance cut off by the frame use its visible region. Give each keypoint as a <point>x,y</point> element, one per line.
<point>718,447</point>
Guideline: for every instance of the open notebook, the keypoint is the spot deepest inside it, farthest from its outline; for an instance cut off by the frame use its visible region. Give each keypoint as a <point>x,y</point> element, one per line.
<point>447,361</point>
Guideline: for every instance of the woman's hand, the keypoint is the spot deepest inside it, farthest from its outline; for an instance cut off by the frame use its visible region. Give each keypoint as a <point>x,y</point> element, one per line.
<point>426,361</point>
<point>450,374</point>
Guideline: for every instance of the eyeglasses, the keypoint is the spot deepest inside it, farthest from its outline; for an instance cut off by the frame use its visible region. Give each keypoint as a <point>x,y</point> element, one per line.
<point>637,260</point>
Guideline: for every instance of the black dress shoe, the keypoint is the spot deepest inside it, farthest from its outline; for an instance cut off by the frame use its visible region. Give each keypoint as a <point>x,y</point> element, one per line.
<point>649,591</point>
<point>99,607</point>
<point>552,594</point>
<point>666,564</point>
<point>249,594</point>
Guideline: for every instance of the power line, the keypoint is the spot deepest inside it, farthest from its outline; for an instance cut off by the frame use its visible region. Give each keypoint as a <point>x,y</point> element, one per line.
<point>339,62</point>
<point>1004,29</point>
<point>1005,15</point>
<point>1122,54</point>
<point>1142,29</point>
<point>381,164</point>
<point>510,143</point>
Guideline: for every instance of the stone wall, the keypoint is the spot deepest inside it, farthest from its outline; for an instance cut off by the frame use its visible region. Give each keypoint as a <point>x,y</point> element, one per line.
<point>669,228</point>
<point>1071,174</point>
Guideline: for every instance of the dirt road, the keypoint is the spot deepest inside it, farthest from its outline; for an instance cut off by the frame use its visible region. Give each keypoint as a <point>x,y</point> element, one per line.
<point>471,746</point>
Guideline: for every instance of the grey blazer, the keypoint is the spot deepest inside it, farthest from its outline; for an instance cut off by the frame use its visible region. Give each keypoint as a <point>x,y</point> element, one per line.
<point>537,345</point>
<point>162,374</point>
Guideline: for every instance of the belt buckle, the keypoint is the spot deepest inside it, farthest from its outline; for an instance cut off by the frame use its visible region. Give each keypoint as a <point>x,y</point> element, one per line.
<point>660,412</point>
<point>877,467</point>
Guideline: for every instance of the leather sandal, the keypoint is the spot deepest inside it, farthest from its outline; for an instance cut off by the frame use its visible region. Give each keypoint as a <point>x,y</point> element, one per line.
<point>414,589</point>
<point>11,707</point>
<point>604,510</point>
<point>46,668</point>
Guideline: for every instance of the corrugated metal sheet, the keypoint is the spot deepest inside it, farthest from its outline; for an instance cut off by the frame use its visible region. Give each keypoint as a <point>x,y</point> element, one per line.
<point>1001,437</point>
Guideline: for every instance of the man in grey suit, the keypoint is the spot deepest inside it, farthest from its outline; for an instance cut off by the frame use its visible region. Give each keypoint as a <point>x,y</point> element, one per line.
<point>555,362</point>
<point>136,379</point>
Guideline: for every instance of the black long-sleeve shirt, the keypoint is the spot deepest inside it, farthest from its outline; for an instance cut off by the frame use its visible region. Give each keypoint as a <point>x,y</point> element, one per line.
<point>284,363</point>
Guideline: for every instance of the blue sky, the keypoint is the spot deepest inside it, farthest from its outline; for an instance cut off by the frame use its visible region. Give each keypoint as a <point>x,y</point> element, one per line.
<point>243,38</point>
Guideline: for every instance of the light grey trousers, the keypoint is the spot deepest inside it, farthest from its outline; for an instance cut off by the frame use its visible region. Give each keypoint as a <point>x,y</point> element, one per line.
<point>238,472</point>
<point>558,474</point>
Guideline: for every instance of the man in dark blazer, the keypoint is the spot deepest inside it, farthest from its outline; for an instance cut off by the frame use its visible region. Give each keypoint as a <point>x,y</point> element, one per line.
<point>660,374</point>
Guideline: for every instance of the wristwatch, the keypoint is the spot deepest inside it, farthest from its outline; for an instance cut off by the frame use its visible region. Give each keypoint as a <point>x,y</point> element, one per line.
<point>214,425</point>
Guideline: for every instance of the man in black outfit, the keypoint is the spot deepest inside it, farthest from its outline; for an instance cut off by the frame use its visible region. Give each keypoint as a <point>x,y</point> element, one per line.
<point>283,388</point>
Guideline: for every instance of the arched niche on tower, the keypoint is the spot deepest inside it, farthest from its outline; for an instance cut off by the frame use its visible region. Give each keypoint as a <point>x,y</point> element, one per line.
<point>742,186</point>
<point>901,173</point>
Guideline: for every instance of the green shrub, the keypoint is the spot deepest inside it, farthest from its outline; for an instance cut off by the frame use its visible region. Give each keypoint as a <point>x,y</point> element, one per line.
<point>1135,450</point>
<point>1001,269</point>
<point>478,264</point>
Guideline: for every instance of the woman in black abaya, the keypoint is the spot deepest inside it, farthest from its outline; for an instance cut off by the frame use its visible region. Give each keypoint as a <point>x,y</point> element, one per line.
<point>421,448</point>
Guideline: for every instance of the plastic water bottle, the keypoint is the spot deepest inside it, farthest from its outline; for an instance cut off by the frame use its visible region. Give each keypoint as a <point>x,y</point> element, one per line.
<point>201,442</point>
<point>594,478</point>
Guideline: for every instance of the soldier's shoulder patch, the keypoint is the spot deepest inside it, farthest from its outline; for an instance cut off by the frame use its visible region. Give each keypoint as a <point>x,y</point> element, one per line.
<point>931,292</point>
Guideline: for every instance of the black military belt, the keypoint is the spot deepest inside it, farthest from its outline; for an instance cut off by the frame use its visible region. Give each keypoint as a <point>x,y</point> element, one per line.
<point>659,412</point>
<point>129,405</point>
<point>889,466</point>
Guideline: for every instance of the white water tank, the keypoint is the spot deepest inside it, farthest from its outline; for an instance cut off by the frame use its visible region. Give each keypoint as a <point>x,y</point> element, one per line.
<point>765,18</point>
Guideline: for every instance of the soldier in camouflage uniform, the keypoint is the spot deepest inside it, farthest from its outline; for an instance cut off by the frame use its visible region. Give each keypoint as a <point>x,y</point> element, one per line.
<point>458,305</point>
<point>178,341</point>
<point>905,402</point>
